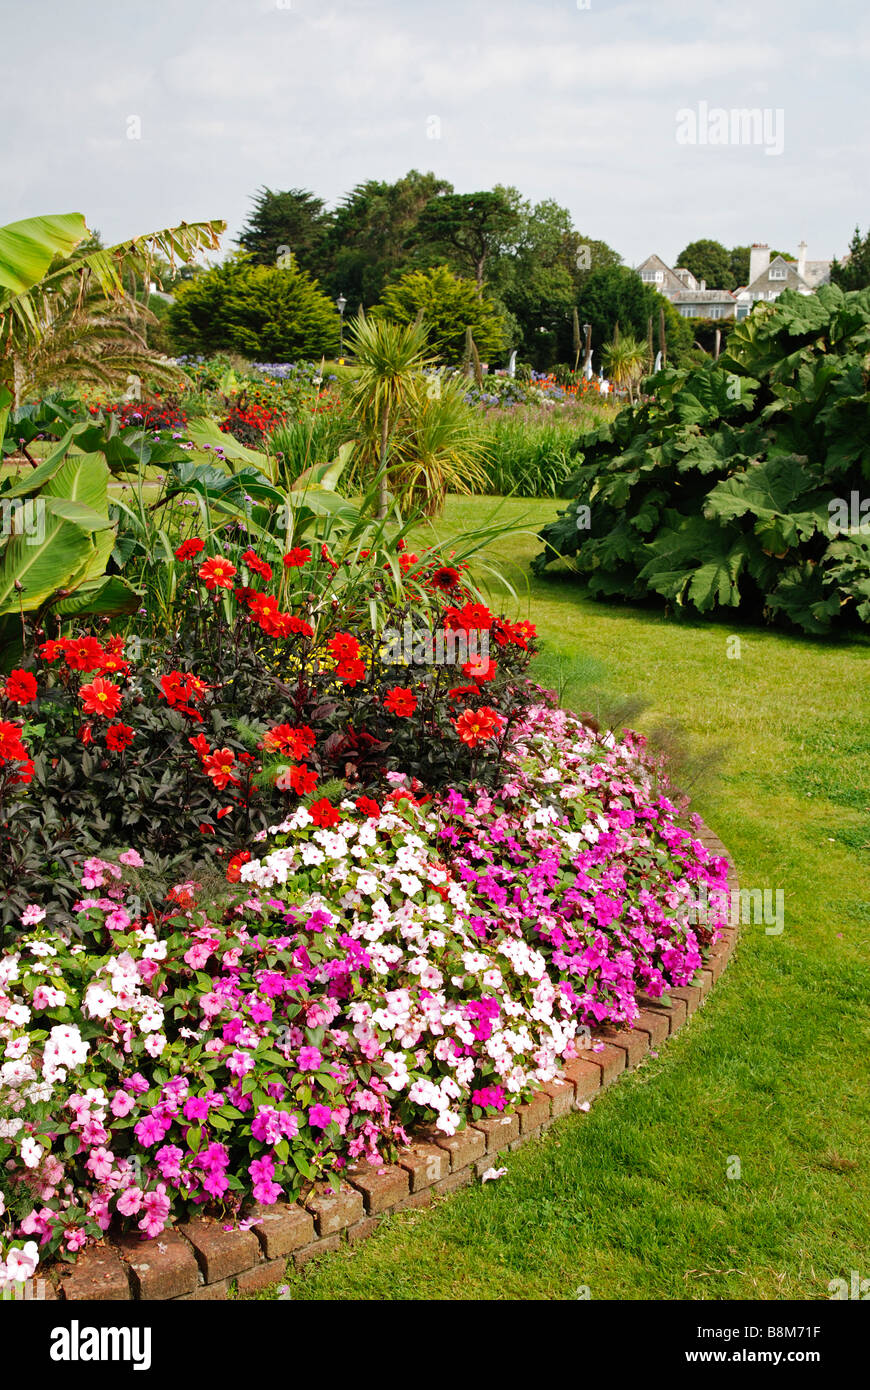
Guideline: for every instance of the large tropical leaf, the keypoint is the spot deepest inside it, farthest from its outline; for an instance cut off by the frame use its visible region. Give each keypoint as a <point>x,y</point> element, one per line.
<point>31,571</point>
<point>28,248</point>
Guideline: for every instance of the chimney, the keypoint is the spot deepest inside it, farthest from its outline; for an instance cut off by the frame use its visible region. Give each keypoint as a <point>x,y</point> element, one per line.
<point>759,259</point>
<point>802,259</point>
<point>703,286</point>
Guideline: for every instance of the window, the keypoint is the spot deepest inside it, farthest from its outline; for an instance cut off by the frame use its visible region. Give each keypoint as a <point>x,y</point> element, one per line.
<point>778,273</point>
<point>652,277</point>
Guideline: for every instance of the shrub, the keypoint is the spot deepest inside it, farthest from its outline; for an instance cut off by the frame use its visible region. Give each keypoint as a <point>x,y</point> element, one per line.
<point>449,306</point>
<point>740,486</point>
<point>271,313</point>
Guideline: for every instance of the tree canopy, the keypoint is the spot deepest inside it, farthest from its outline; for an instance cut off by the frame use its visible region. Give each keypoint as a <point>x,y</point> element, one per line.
<point>449,306</point>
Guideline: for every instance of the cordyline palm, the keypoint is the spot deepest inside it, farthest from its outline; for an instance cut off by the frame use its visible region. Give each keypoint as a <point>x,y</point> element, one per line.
<point>625,361</point>
<point>441,448</point>
<point>389,360</point>
<point>40,267</point>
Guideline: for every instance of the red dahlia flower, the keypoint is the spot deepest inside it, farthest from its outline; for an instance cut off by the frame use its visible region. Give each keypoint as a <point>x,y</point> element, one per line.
<point>343,646</point>
<point>217,766</point>
<point>324,814</point>
<point>253,562</point>
<point>101,697</point>
<point>20,687</point>
<point>476,727</point>
<point>188,550</point>
<point>299,555</point>
<point>83,654</point>
<point>350,672</point>
<point>50,651</point>
<point>217,574</point>
<point>11,747</point>
<point>369,808</point>
<point>400,702</point>
<point>119,737</point>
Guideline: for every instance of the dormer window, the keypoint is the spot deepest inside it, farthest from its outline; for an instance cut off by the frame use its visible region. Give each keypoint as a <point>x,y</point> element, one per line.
<point>778,273</point>
<point>652,277</point>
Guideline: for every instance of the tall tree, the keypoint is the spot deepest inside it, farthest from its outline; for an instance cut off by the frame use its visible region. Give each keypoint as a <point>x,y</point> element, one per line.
<point>367,245</point>
<point>738,262</point>
<point>295,219</point>
<point>854,272</point>
<point>708,260</point>
<point>469,228</point>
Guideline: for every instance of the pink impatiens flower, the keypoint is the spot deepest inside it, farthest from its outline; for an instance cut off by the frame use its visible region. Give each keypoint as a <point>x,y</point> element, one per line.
<point>319,1116</point>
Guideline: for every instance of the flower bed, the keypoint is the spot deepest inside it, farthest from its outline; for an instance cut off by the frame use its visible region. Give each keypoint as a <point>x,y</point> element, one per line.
<point>378,966</point>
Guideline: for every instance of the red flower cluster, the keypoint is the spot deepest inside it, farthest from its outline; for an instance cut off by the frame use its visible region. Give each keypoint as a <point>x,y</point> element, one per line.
<point>284,738</point>
<point>178,688</point>
<point>261,567</point>
<point>12,751</point>
<point>299,555</point>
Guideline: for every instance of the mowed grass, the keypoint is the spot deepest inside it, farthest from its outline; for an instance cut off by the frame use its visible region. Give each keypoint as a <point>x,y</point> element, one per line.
<point>769,1079</point>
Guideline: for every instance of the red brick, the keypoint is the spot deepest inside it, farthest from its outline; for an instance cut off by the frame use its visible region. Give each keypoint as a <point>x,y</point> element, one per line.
<point>633,1041</point>
<point>675,1014</point>
<point>162,1268</point>
<point>98,1273</point>
<point>281,1228</point>
<point>363,1229</point>
<point>654,1024</point>
<point>208,1293</point>
<point>423,1198</point>
<point>585,1077</point>
<point>610,1059</point>
<point>463,1147</point>
<point>534,1113</point>
<point>704,981</point>
<point>317,1247</point>
<point>690,994</point>
<point>381,1187</point>
<point>261,1276</point>
<point>461,1178</point>
<point>220,1253</point>
<point>499,1130</point>
<point>561,1095</point>
<point>333,1211</point>
<point>425,1164</point>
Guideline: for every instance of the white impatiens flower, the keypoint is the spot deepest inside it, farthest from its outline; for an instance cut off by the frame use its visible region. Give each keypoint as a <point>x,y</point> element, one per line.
<point>18,1015</point>
<point>31,1152</point>
<point>98,1001</point>
<point>21,1262</point>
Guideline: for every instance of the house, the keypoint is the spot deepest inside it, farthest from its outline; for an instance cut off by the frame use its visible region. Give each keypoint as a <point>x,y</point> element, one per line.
<point>768,278</point>
<point>690,297</point>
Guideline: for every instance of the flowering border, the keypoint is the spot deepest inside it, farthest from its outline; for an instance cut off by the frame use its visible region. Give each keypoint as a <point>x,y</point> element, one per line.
<point>203,1259</point>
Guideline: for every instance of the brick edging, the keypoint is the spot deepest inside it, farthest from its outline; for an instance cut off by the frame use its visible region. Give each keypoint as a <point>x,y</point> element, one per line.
<point>199,1259</point>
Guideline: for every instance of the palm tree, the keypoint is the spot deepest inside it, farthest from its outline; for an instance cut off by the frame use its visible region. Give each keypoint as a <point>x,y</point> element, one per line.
<point>49,264</point>
<point>389,358</point>
<point>625,363</point>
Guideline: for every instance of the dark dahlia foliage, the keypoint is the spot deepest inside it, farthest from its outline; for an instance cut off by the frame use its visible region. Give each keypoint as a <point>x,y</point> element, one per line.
<point>745,483</point>
<point>186,745</point>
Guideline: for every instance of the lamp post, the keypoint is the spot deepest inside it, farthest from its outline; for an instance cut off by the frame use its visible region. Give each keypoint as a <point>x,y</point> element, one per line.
<point>587,329</point>
<point>341,305</point>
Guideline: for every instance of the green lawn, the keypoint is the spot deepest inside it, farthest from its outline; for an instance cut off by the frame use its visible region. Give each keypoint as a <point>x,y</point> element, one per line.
<point>633,1200</point>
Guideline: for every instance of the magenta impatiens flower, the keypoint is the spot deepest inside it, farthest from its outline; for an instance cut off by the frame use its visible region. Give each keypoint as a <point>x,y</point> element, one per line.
<point>319,1116</point>
<point>309,1058</point>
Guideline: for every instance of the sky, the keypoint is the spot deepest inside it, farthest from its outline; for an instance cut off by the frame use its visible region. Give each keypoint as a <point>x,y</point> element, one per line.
<point>144,115</point>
